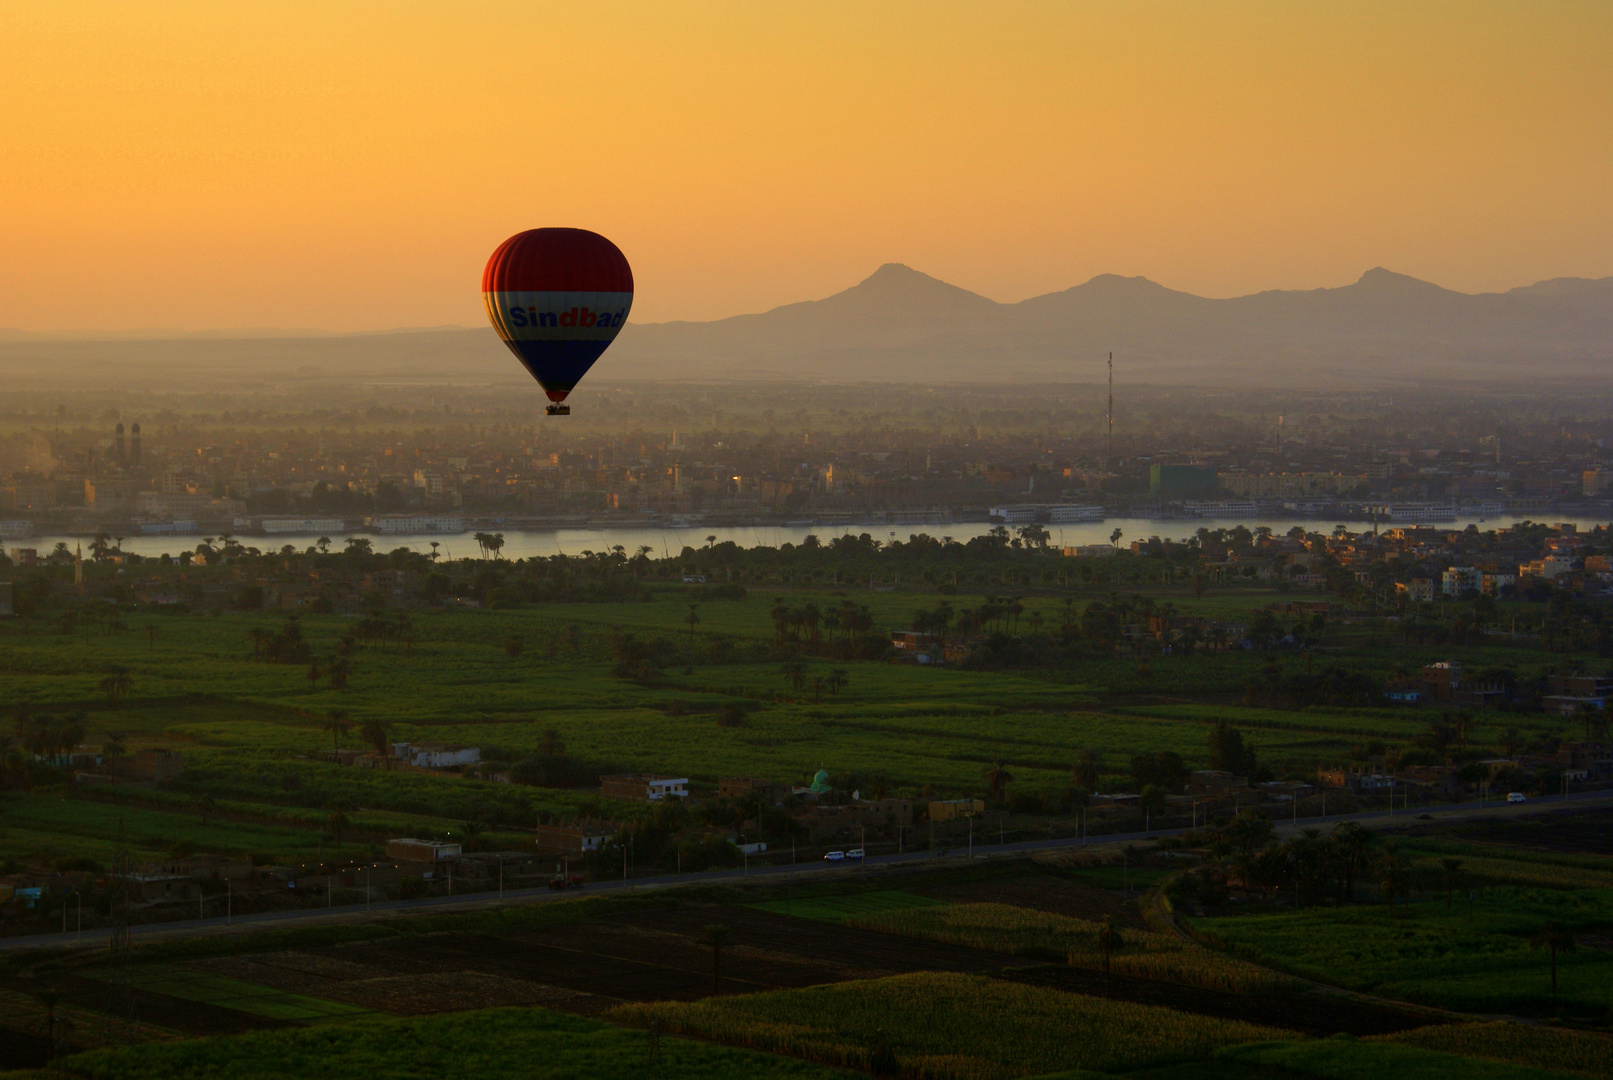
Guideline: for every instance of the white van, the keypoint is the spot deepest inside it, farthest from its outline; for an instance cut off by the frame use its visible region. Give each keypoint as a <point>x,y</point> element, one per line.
<point>1514,796</point>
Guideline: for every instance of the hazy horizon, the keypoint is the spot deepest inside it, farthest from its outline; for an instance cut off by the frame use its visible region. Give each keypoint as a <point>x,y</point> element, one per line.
<point>18,333</point>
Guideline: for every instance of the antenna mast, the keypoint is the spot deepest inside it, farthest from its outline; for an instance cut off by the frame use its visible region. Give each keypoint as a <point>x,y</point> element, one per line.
<point>1109,444</point>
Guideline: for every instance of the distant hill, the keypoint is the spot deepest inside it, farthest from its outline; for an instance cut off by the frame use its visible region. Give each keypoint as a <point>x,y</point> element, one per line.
<point>900,325</point>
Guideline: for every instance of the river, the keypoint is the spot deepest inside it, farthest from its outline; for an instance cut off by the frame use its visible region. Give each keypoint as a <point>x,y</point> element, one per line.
<point>665,541</point>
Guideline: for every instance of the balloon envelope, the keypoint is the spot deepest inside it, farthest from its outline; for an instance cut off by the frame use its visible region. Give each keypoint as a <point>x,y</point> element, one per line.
<point>557,297</point>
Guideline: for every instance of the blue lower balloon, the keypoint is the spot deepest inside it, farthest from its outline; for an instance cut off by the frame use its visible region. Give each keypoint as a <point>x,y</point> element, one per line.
<point>558,365</point>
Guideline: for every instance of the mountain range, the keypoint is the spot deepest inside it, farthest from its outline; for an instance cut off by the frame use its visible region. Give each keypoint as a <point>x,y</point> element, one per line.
<point>900,325</point>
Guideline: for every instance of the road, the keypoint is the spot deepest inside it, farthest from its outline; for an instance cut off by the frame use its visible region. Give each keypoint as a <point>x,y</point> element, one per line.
<point>304,917</point>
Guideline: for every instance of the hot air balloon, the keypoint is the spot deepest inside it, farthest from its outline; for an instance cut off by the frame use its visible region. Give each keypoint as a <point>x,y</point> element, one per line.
<point>557,297</point>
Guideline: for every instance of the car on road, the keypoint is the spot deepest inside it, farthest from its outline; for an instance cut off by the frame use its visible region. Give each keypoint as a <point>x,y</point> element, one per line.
<point>1515,796</point>
<point>566,881</point>
<point>834,856</point>
<point>855,853</point>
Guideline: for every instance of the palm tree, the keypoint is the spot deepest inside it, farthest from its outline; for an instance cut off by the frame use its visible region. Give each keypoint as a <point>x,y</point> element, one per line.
<point>1395,877</point>
<point>204,807</point>
<point>374,732</point>
<point>337,724</point>
<point>795,673</point>
<point>716,935</point>
<point>323,544</point>
<point>692,619</point>
<point>116,685</point>
<point>495,544</point>
<point>113,746</point>
<point>336,823</point>
<point>997,777</point>
<point>837,681</point>
<point>1558,938</point>
<point>1087,768</point>
<point>1109,940</point>
<point>49,1000</point>
<point>817,688</point>
<point>552,744</point>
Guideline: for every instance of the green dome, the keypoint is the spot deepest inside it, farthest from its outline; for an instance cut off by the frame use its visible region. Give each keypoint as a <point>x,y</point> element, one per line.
<point>820,782</point>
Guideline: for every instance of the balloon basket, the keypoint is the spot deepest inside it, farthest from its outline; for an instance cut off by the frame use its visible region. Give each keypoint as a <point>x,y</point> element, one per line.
<point>559,410</point>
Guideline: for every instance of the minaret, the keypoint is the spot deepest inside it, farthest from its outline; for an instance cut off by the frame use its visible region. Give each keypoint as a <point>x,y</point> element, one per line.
<point>134,445</point>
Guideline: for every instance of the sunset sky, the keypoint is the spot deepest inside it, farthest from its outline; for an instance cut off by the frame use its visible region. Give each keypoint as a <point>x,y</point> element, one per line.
<point>349,166</point>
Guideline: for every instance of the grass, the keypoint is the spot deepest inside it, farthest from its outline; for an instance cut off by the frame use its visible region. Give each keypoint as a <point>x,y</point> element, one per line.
<point>1350,1059</point>
<point>1434,957</point>
<point>489,1044</point>
<point>1583,1053</point>
<point>188,984</point>
<point>950,1026</point>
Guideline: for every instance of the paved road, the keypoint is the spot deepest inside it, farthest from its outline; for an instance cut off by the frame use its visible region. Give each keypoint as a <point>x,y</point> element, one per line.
<point>303,917</point>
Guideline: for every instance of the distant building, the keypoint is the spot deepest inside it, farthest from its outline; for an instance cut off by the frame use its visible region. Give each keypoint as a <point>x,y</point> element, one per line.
<point>1091,551</point>
<point>640,787</point>
<point>1180,480</point>
<point>576,838</point>
<point>147,766</point>
<point>1571,694</point>
<point>950,809</point>
<point>408,849</point>
<point>1459,580</point>
<point>1550,568</point>
<point>437,755</point>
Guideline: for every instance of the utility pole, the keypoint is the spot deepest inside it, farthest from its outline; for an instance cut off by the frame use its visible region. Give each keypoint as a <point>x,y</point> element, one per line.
<point>1109,445</point>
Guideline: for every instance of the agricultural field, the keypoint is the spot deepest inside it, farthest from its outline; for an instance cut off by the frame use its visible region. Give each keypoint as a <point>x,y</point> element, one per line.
<point>492,1043</point>
<point>950,1027</point>
<point>1583,1053</point>
<point>1475,957</point>
<point>1021,932</point>
<point>252,731</point>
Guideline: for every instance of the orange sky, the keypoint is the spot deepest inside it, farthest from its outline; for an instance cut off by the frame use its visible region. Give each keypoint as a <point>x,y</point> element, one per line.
<point>350,165</point>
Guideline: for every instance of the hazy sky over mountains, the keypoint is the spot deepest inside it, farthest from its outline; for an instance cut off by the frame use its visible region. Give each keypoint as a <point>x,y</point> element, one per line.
<point>350,166</point>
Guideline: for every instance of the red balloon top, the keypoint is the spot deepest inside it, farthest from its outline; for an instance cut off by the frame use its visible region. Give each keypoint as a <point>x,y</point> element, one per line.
<point>557,260</point>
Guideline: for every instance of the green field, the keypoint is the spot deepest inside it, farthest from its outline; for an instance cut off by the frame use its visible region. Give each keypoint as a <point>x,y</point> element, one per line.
<point>251,730</point>
<point>1481,962</point>
<point>493,1043</point>
<point>951,1027</point>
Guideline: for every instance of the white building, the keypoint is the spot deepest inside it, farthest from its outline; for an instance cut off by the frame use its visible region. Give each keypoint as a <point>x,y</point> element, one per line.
<point>1551,568</point>
<point>1460,579</point>
<point>437,755</point>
